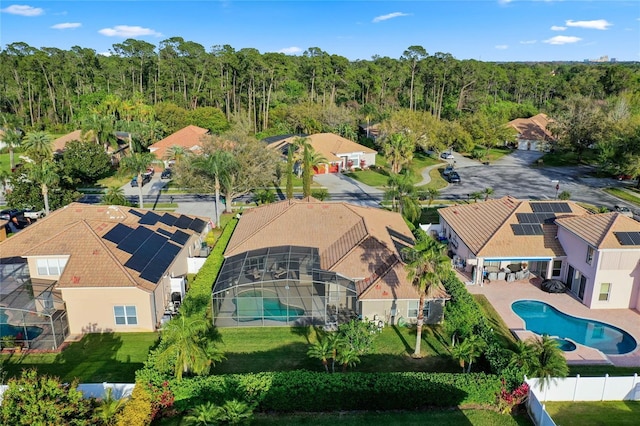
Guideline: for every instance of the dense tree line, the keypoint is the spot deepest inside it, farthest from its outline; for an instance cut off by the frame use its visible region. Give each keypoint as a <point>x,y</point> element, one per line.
<point>53,88</point>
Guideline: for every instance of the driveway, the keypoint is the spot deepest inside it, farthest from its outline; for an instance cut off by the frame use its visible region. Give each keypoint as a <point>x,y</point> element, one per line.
<point>152,188</point>
<point>343,188</point>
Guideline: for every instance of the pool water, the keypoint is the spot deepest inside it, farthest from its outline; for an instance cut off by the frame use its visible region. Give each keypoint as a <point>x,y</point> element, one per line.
<point>257,304</point>
<point>542,318</point>
<point>565,345</point>
<point>17,330</point>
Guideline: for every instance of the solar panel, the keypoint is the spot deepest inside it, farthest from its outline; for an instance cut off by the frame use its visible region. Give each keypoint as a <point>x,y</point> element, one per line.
<point>624,238</point>
<point>564,208</point>
<point>539,207</point>
<point>180,237</point>
<point>183,222</point>
<point>517,229</point>
<point>168,219</point>
<point>164,232</point>
<point>160,262</point>
<point>145,252</point>
<point>550,207</point>
<point>198,225</point>
<point>635,237</point>
<point>135,239</point>
<point>117,233</point>
<point>548,218</point>
<point>527,229</point>
<point>150,218</point>
<point>135,212</point>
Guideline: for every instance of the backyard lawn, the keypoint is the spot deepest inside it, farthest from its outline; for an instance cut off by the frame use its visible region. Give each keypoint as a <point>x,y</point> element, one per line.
<point>97,358</point>
<point>608,413</point>
<point>251,350</point>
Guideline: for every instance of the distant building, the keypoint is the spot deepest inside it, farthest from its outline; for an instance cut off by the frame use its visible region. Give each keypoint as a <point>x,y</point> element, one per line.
<point>533,134</point>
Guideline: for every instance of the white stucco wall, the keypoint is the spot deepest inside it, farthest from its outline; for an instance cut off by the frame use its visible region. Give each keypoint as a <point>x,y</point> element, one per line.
<point>620,269</point>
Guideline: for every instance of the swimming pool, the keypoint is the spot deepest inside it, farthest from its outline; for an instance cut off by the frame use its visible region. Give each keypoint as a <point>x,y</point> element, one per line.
<point>254,305</point>
<point>542,318</point>
<point>17,330</point>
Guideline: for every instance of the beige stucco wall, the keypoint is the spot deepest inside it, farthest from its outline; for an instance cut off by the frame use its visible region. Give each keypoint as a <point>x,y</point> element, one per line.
<point>620,269</point>
<point>90,309</point>
<point>383,308</point>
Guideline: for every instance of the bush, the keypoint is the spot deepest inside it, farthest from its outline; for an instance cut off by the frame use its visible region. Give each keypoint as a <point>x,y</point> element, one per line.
<point>316,391</point>
<point>138,410</point>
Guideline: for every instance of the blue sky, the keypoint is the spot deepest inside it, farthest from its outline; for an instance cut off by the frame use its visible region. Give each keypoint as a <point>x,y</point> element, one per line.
<point>488,30</point>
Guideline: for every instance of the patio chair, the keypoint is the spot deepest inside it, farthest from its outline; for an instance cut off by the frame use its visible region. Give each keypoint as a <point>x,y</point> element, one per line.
<point>511,277</point>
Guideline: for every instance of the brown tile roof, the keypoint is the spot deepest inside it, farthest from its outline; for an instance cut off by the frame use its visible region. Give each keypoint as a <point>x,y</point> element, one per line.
<point>329,145</point>
<point>361,243</point>
<point>189,138</point>
<point>486,228</point>
<point>76,231</point>
<point>60,143</point>
<point>533,128</point>
<point>598,229</point>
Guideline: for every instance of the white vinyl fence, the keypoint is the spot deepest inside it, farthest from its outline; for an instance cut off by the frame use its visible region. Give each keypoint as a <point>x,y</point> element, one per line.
<point>579,389</point>
<point>97,390</point>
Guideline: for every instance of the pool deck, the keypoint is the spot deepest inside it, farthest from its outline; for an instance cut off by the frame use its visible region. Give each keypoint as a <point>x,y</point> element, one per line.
<point>502,294</point>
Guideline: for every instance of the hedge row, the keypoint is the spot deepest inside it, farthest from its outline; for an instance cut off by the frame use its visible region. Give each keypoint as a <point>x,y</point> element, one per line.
<point>316,392</point>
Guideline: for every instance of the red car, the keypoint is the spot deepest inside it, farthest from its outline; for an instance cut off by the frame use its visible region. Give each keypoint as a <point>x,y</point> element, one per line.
<point>624,177</point>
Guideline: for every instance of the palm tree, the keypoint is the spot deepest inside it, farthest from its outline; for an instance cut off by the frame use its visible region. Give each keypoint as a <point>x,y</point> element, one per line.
<point>336,344</point>
<point>524,356</point>
<point>468,351</point>
<point>110,407</point>
<point>115,197</point>
<point>186,346</point>
<point>176,153</point>
<point>487,193</point>
<point>348,357</point>
<point>432,194</point>
<point>404,196</point>
<point>138,163</point>
<point>475,196</point>
<point>46,174</point>
<point>264,196</point>
<point>12,139</point>
<point>398,150</point>
<point>425,264</point>
<point>289,173</point>
<point>321,350</point>
<point>215,166</point>
<point>100,129</point>
<point>550,362</point>
<point>38,145</point>
<point>207,414</point>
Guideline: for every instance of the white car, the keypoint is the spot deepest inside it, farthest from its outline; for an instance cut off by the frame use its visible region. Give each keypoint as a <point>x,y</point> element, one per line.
<point>447,155</point>
<point>32,213</point>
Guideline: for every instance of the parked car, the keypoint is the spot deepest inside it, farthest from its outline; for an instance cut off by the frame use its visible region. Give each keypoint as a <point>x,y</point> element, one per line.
<point>7,214</point>
<point>447,155</point>
<point>150,171</point>
<point>166,173</point>
<point>146,178</point>
<point>448,170</point>
<point>32,213</point>
<point>454,177</point>
<point>625,211</point>
<point>624,177</point>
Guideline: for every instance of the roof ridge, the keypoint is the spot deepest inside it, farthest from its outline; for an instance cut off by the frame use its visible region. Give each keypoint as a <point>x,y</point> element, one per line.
<point>504,222</point>
<point>291,202</point>
<point>377,278</point>
<point>612,221</point>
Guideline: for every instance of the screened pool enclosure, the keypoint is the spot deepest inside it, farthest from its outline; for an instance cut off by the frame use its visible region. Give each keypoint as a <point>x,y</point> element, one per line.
<point>281,286</point>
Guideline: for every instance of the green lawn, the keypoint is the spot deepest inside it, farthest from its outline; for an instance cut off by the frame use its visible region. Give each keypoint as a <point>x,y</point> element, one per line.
<point>560,158</point>
<point>491,154</point>
<point>253,349</point>
<point>452,417</point>
<point>601,370</point>
<point>4,161</point>
<point>608,413</point>
<point>379,176</point>
<point>623,195</point>
<point>97,358</point>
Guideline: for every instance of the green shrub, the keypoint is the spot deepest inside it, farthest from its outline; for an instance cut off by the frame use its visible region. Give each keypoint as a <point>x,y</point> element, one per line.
<point>138,410</point>
<point>315,391</point>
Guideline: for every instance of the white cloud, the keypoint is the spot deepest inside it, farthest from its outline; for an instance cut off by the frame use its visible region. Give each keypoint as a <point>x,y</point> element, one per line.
<point>66,25</point>
<point>528,41</point>
<point>504,1</point>
<point>24,10</point>
<point>388,16</point>
<point>107,53</point>
<point>502,46</point>
<point>563,40</point>
<point>598,24</point>
<point>127,31</point>
<point>290,50</point>
<point>557,28</point>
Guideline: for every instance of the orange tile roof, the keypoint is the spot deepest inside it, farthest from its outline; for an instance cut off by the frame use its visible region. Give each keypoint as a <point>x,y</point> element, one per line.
<point>76,231</point>
<point>329,145</point>
<point>361,243</point>
<point>533,128</point>
<point>60,143</point>
<point>486,228</point>
<point>598,229</point>
<point>189,138</point>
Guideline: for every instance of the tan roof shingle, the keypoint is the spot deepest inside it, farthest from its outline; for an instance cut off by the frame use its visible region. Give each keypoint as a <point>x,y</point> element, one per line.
<point>598,229</point>
<point>189,137</point>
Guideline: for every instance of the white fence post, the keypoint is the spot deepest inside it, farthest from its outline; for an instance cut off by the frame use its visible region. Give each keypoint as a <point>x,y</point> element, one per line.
<point>575,388</point>
<point>604,386</point>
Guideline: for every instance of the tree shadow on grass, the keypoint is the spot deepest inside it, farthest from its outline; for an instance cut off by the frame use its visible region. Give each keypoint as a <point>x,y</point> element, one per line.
<point>303,331</point>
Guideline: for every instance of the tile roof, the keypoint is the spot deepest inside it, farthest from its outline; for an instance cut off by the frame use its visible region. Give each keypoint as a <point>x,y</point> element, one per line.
<point>329,145</point>
<point>76,231</point>
<point>189,138</point>
<point>598,229</point>
<point>361,243</point>
<point>60,143</point>
<point>533,128</point>
<point>486,228</point>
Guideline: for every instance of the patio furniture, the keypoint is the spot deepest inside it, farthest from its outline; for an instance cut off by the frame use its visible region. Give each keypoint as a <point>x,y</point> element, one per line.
<point>493,276</point>
<point>511,277</point>
<point>519,275</point>
<point>502,275</point>
<point>279,273</point>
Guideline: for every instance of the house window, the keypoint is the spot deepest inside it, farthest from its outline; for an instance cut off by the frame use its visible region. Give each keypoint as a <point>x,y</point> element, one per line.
<point>557,268</point>
<point>590,252</point>
<point>412,309</point>
<point>50,266</point>
<point>605,290</point>
<point>125,315</point>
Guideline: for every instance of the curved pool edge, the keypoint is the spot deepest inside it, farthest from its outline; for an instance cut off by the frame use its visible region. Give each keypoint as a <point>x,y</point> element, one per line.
<point>635,352</point>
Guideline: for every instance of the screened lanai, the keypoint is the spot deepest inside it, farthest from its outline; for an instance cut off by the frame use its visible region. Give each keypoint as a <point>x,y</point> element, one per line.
<point>279,286</point>
<point>32,312</point>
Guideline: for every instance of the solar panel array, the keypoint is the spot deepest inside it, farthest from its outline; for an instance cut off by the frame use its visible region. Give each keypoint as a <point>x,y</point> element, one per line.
<point>524,218</point>
<point>628,238</point>
<point>527,229</point>
<point>153,251</point>
<point>550,207</point>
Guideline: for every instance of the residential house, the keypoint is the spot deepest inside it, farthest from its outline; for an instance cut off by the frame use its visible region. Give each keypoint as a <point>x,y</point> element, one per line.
<point>95,268</point>
<point>340,153</point>
<point>189,138</point>
<point>508,239</point>
<point>302,262</point>
<point>533,132</point>
<point>123,140</point>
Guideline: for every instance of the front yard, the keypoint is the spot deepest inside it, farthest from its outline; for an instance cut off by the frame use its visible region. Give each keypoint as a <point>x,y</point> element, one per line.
<point>610,413</point>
